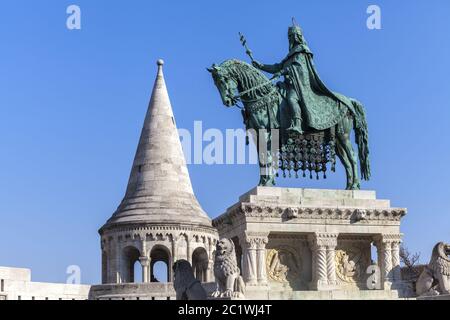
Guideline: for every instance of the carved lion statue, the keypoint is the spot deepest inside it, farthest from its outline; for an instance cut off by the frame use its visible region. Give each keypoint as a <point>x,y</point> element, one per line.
<point>186,285</point>
<point>435,278</point>
<point>228,279</point>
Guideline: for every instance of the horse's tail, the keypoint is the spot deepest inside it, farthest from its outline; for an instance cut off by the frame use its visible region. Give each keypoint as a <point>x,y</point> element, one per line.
<point>362,139</point>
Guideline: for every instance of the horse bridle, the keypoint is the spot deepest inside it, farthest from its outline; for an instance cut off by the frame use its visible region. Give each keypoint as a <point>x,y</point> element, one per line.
<point>238,97</point>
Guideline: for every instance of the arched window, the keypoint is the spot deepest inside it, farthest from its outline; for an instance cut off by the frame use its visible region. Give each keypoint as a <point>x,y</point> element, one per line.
<point>130,256</point>
<point>160,262</point>
<point>200,264</point>
<point>160,272</point>
<point>137,272</point>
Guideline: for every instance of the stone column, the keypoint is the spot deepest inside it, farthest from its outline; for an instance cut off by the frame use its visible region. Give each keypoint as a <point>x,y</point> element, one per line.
<point>261,242</point>
<point>249,270</point>
<point>210,271</point>
<point>174,249</point>
<point>331,260</point>
<point>119,263</point>
<point>145,264</point>
<point>170,274</point>
<point>323,246</point>
<point>386,263</point>
<point>188,250</point>
<point>396,269</point>
<point>388,250</point>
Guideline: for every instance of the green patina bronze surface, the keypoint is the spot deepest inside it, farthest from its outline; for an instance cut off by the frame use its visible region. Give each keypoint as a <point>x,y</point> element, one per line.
<point>314,123</point>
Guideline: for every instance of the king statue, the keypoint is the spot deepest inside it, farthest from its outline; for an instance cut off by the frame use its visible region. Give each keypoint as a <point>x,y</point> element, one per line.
<point>310,103</point>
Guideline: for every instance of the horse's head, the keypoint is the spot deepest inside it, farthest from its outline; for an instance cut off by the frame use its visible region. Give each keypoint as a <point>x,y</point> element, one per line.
<point>226,84</point>
<point>238,80</point>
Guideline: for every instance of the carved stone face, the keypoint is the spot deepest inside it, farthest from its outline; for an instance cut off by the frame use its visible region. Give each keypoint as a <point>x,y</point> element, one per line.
<point>292,213</point>
<point>360,215</point>
<point>224,247</point>
<point>447,249</point>
<point>442,250</point>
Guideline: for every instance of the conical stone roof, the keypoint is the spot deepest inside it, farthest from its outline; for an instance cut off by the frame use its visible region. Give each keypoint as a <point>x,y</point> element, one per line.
<point>159,188</point>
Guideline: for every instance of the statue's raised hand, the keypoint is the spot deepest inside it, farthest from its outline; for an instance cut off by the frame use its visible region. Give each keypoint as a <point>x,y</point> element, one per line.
<point>257,64</point>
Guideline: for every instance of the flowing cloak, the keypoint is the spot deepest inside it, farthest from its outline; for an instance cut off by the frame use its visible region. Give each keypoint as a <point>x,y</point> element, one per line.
<point>321,107</point>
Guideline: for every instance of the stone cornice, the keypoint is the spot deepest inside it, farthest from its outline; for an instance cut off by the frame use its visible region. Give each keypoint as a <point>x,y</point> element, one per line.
<point>355,238</point>
<point>292,213</point>
<point>284,236</point>
<point>155,228</point>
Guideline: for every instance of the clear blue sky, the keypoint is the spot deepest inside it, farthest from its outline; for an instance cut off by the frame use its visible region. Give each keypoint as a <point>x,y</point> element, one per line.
<point>72,105</point>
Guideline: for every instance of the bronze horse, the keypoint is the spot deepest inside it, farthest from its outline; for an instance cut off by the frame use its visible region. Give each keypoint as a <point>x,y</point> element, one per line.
<point>264,105</point>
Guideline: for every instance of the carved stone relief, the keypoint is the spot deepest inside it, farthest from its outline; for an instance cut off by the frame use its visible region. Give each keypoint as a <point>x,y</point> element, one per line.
<point>353,256</point>
<point>283,265</point>
<point>348,267</point>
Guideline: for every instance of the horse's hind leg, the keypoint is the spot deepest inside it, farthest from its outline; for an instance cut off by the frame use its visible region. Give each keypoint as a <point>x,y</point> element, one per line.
<point>272,160</point>
<point>344,129</point>
<point>345,162</point>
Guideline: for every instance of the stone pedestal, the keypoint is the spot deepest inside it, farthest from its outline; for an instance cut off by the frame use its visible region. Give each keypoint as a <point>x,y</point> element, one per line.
<point>302,240</point>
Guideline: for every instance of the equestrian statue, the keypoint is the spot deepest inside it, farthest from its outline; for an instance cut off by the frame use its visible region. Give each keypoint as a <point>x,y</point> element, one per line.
<point>297,124</point>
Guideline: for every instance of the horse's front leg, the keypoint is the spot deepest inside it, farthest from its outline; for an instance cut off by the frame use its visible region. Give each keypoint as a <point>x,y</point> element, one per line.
<point>256,137</point>
<point>266,159</point>
<point>273,145</point>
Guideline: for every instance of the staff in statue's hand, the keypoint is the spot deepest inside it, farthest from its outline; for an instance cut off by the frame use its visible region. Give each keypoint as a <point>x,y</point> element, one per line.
<point>255,63</point>
<point>244,44</point>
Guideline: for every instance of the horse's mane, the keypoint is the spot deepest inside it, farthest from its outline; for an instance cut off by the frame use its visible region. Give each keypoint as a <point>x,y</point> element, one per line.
<point>248,76</point>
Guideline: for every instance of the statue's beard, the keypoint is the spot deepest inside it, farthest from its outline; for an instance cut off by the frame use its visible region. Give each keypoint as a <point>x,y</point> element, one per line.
<point>294,43</point>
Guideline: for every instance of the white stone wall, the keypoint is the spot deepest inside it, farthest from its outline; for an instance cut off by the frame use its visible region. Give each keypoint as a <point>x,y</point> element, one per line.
<point>16,284</point>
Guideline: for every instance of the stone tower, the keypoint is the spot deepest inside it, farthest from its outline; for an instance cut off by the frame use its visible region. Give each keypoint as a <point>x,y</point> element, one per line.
<point>159,218</point>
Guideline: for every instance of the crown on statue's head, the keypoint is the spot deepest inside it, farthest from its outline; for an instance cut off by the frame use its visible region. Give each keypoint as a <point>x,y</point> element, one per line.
<point>295,29</point>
